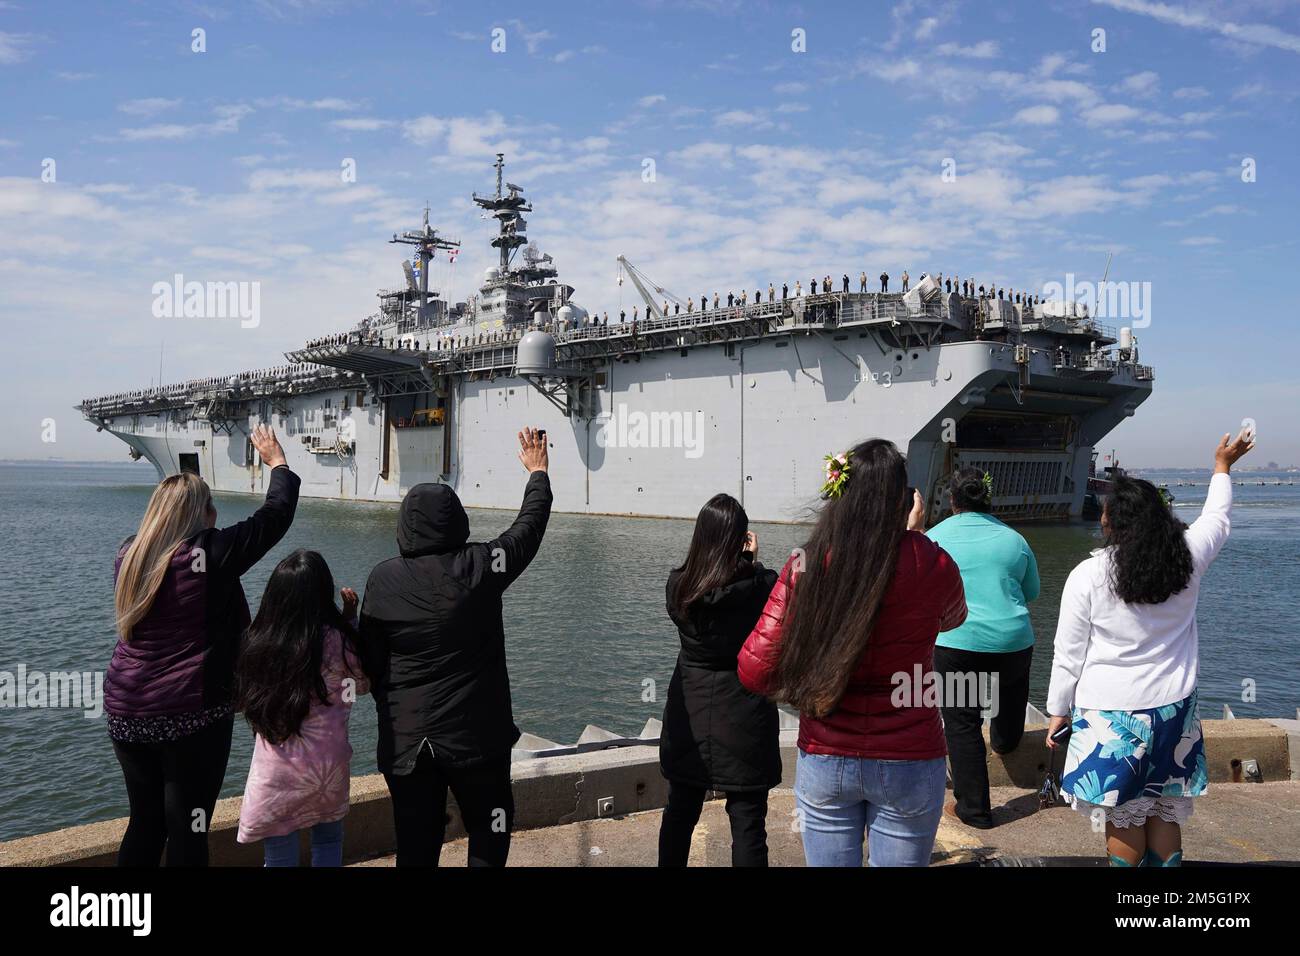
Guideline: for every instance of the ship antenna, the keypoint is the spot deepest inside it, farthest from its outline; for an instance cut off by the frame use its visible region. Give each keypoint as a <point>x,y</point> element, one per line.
<point>426,242</point>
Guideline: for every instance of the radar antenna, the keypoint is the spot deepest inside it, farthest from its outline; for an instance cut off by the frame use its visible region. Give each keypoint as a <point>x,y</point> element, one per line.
<point>507,208</point>
<point>426,241</point>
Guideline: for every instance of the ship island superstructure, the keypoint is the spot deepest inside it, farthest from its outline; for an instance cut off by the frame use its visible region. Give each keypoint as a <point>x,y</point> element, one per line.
<point>650,417</point>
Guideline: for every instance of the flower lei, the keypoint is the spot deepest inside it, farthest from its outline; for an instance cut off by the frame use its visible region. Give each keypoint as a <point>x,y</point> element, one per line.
<point>988,487</point>
<point>837,473</point>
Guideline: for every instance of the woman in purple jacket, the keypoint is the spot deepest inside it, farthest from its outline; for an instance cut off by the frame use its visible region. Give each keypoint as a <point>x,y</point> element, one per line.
<point>180,613</point>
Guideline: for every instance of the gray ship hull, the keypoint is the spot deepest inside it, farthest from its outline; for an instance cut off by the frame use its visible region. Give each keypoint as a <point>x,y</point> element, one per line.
<point>662,431</point>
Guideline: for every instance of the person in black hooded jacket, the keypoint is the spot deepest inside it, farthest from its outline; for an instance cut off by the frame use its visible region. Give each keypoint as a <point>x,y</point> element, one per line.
<point>433,643</point>
<point>716,734</point>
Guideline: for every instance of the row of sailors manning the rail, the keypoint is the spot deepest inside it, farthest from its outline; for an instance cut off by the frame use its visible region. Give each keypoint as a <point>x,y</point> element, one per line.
<point>180,389</point>
<point>869,598</point>
<point>964,287</point>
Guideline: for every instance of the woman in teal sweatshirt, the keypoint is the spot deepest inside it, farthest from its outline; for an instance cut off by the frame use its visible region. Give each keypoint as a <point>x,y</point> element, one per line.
<point>984,664</point>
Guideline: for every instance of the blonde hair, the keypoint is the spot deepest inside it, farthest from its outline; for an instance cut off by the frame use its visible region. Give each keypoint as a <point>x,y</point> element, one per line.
<point>178,509</point>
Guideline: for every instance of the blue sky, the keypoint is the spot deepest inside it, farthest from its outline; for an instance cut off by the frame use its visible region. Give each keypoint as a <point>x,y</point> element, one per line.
<point>770,165</point>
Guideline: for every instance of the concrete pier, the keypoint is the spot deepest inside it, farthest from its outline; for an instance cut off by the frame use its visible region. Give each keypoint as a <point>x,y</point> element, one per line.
<point>583,805</point>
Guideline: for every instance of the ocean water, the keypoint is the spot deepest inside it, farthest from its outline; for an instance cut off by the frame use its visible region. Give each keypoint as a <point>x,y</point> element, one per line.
<point>586,627</point>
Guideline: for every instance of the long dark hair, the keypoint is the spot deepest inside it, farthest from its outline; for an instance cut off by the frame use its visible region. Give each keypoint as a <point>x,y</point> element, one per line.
<point>968,492</point>
<point>1150,558</point>
<point>848,564</point>
<point>715,552</point>
<point>278,673</point>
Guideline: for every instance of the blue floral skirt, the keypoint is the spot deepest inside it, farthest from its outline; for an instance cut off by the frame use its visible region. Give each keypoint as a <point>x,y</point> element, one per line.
<point>1128,765</point>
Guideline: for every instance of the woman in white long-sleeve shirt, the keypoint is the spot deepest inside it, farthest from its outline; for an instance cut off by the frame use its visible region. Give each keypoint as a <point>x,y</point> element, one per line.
<point>1124,667</point>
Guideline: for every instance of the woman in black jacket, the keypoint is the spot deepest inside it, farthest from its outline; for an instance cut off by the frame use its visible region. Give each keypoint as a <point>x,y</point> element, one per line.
<point>433,644</point>
<point>717,735</point>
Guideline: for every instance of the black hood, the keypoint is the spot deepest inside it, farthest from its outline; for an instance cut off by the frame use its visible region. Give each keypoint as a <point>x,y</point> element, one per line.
<point>432,521</point>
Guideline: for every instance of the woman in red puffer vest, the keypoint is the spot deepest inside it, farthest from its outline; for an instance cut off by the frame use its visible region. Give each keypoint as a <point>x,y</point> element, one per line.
<point>847,637</point>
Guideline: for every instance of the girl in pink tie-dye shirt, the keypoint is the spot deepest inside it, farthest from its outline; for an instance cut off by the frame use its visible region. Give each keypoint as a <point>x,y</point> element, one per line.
<point>297,678</point>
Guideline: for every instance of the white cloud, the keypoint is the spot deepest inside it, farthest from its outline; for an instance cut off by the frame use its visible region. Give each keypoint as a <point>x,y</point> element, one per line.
<point>361,124</point>
<point>651,100</point>
<point>14,47</point>
<point>1144,84</point>
<point>1042,115</point>
<point>227,119</point>
<point>984,50</point>
<point>1256,34</point>
<point>328,103</point>
<point>704,154</point>
<point>1111,114</point>
<point>462,136</point>
<point>533,39</point>
<point>741,118</point>
<point>148,106</point>
<point>897,70</point>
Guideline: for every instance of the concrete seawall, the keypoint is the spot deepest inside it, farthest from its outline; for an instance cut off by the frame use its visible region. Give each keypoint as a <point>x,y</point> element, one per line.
<point>552,791</point>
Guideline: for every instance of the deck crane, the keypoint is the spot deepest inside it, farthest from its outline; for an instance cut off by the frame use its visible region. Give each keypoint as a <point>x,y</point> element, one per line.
<point>643,285</point>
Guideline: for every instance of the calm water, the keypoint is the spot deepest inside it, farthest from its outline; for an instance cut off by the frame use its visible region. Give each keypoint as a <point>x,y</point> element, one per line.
<point>585,624</point>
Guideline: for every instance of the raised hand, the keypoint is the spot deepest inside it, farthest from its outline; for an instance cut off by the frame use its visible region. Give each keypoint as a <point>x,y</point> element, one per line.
<point>268,446</point>
<point>532,450</point>
<point>349,602</point>
<point>916,517</point>
<point>1228,452</point>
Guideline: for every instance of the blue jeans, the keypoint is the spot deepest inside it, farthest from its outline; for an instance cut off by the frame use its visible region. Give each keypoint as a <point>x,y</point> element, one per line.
<point>840,798</point>
<point>326,846</point>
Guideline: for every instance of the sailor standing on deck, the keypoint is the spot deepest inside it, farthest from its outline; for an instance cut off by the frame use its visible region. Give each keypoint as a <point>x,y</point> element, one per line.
<point>884,282</point>
<point>907,280</point>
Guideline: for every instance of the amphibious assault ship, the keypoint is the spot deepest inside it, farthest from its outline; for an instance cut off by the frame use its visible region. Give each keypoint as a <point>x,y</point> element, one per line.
<point>650,414</point>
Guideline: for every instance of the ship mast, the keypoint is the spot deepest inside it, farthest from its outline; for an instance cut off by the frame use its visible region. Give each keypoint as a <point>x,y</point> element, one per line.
<point>426,242</point>
<point>507,208</point>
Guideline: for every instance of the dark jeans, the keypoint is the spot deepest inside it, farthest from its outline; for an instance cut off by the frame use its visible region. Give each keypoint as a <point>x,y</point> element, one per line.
<point>747,810</point>
<point>963,726</point>
<point>487,808</point>
<point>168,785</point>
